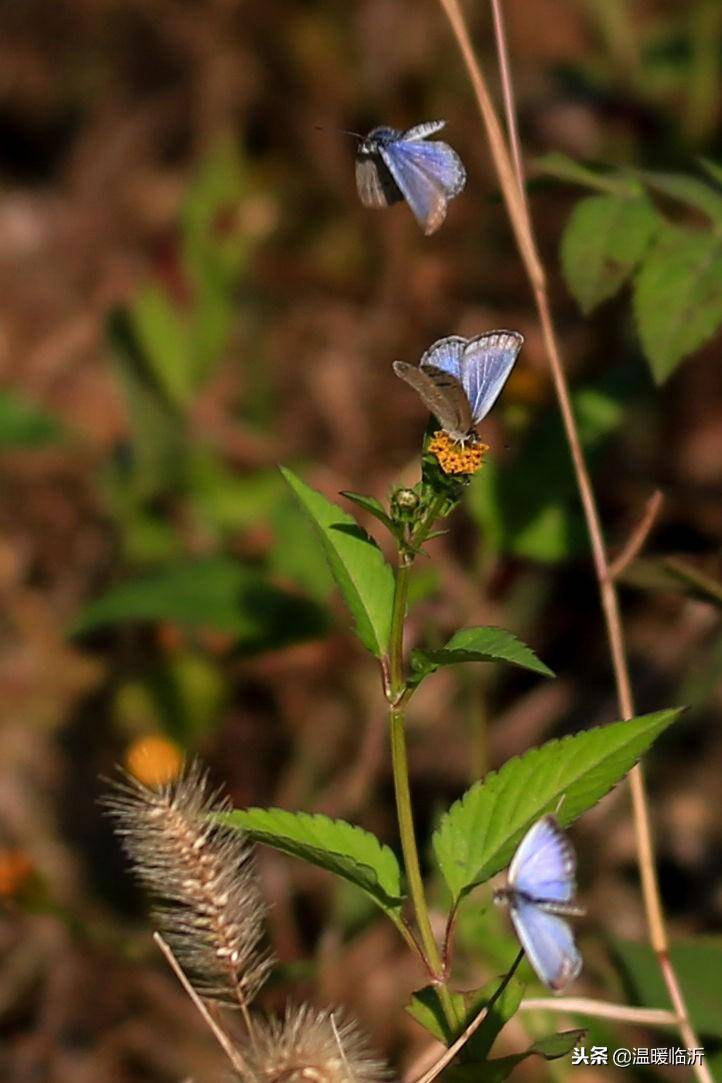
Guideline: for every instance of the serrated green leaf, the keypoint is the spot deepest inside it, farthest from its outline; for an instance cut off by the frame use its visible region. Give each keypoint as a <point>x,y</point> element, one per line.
<point>565,168</point>
<point>698,964</point>
<point>483,644</point>
<point>215,593</point>
<point>678,296</point>
<point>363,576</point>
<point>604,240</point>
<point>24,425</point>
<point>478,835</point>
<point>373,506</point>
<point>335,845</point>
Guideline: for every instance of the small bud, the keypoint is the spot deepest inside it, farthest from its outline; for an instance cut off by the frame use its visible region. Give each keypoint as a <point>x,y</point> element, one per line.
<point>404,504</point>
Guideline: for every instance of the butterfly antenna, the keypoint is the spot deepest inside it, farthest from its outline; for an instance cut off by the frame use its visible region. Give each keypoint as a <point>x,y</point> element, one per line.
<point>341,131</point>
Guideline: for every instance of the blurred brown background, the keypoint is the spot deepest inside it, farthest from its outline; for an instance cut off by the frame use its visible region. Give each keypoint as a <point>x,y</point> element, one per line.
<point>109,114</point>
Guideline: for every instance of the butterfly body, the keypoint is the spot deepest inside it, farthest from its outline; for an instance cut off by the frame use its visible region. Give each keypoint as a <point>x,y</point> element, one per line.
<point>393,165</point>
<point>459,379</point>
<point>540,894</point>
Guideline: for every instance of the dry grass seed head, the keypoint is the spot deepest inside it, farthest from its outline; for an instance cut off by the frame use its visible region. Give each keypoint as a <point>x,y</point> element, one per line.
<point>209,907</point>
<point>309,1045</point>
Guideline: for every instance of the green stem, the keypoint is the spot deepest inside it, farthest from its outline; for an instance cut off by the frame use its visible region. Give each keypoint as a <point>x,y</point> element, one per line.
<point>395,691</point>
<point>397,683</point>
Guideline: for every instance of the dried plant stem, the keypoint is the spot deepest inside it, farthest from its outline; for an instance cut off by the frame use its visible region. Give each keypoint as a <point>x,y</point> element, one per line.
<point>218,1033</point>
<point>511,184</point>
<point>637,539</point>
<point>600,1009</point>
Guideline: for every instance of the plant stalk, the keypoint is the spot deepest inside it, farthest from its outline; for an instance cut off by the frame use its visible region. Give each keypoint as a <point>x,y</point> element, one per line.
<point>395,693</point>
<point>512,185</point>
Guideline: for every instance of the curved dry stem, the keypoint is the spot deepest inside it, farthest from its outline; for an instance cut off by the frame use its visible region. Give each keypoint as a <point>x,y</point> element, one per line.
<point>511,184</point>
<point>601,1009</point>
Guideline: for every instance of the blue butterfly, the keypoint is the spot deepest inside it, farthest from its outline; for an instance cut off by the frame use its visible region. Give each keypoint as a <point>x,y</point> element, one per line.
<point>460,379</point>
<point>540,893</point>
<point>392,165</point>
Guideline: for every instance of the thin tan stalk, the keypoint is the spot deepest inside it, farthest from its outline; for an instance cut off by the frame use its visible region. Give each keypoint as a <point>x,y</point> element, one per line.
<point>601,1009</point>
<point>512,127</point>
<point>218,1033</point>
<point>511,184</point>
<point>638,538</point>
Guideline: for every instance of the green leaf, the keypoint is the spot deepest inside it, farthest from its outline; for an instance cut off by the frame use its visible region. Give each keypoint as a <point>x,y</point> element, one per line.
<point>373,506</point>
<point>216,593</point>
<point>158,447</point>
<point>478,835</point>
<point>163,338</point>
<point>565,168</point>
<point>335,845</point>
<point>687,189</point>
<point>698,964</point>
<point>362,574</point>
<point>303,562</point>
<point>678,297</point>
<point>504,1007</point>
<point>552,1047</point>
<point>603,242</point>
<point>426,1008</point>
<point>477,645</point>
<point>23,425</point>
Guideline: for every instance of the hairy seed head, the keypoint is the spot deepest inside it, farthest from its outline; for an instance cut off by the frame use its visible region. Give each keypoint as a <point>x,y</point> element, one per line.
<point>312,1046</point>
<point>209,907</point>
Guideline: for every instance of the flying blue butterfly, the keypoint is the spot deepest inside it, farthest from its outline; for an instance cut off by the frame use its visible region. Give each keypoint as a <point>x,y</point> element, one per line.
<point>460,379</point>
<point>393,165</point>
<point>540,893</point>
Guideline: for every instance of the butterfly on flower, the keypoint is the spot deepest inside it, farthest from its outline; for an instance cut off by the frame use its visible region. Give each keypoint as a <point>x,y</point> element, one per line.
<point>393,165</point>
<point>540,894</point>
<point>460,379</point>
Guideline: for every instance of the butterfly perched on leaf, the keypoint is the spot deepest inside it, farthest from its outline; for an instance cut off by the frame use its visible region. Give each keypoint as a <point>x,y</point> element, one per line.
<point>393,165</point>
<point>540,894</point>
<point>460,379</point>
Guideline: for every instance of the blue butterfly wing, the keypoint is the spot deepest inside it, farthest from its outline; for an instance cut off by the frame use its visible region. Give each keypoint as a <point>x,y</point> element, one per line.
<point>446,354</point>
<point>544,866</point>
<point>487,362</point>
<point>548,942</point>
<point>428,174</point>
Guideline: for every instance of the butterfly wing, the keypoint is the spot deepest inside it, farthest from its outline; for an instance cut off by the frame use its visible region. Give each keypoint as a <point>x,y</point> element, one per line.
<point>423,131</point>
<point>441,393</point>
<point>428,174</point>
<point>376,187</point>
<point>544,866</point>
<point>548,942</point>
<point>488,359</point>
<point>446,354</point>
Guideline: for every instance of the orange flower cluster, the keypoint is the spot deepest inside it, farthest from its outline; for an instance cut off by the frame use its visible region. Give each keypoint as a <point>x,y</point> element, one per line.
<point>455,458</point>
